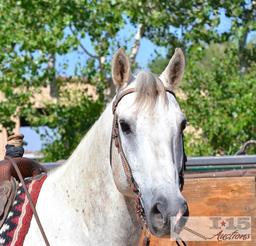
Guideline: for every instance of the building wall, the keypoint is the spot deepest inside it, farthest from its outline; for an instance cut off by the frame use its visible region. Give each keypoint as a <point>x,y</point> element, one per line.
<point>74,85</point>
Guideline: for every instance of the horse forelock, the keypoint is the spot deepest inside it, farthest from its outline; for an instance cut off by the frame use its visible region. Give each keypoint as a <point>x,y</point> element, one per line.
<point>149,89</point>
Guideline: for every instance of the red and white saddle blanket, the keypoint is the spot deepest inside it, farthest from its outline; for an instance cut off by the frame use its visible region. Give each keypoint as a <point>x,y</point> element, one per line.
<point>16,225</point>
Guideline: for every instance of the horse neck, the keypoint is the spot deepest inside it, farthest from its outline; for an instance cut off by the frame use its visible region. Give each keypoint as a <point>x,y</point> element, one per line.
<point>88,167</point>
<point>87,185</point>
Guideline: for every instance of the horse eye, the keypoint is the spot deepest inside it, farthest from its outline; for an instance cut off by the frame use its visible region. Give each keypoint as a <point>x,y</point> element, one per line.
<point>183,125</point>
<point>125,127</point>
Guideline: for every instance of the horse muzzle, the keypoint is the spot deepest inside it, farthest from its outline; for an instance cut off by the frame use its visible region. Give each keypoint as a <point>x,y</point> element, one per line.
<point>166,216</point>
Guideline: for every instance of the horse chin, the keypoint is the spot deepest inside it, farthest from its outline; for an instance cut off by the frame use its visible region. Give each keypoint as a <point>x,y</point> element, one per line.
<point>161,233</point>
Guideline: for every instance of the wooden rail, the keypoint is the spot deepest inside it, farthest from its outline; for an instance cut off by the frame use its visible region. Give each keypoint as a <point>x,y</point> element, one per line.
<point>233,196</point>
<point>204,162</point>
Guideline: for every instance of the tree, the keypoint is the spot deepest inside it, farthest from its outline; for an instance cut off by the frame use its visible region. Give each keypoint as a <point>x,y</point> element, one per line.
<point>34,32</point>
<point>219,102</point>
<point>243,16</point>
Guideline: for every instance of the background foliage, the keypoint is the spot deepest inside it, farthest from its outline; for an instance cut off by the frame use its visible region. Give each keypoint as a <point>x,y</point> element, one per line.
<point>220,101</point>
<point>219,84</point>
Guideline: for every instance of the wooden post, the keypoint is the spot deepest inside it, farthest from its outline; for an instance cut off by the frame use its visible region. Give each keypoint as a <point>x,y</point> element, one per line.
<point>4,135</point>
<point>3,141</point>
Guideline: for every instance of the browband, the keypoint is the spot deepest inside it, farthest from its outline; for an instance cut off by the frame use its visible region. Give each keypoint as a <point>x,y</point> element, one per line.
<point>129,91</point>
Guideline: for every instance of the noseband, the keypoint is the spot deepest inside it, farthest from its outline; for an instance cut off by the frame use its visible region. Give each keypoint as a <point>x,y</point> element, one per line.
<point>127,169</point>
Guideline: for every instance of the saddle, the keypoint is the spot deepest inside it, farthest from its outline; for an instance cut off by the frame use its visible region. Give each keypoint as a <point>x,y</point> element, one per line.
<point>27,167</point>
<point>9,181</point>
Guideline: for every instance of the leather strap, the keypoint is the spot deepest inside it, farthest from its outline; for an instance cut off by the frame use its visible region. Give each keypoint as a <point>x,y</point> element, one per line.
<point>180,242</point>
<point>29,199</point>
<point>129,91</point>
<point>120,96</point>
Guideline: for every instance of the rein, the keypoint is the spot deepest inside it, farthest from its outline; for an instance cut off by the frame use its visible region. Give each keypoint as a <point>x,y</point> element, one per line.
<point>115,138</point>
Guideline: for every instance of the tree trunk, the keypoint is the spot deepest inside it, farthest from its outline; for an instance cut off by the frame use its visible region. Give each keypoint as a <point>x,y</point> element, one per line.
<point>53,82</point>
<point>136,44</point>
<point>242,52</point>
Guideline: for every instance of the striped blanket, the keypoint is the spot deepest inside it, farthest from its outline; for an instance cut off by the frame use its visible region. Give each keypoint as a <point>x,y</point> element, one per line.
<point>16,226</point>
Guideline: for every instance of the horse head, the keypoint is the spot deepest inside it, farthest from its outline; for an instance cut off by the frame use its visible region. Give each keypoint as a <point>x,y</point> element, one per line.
<point>147,138</point>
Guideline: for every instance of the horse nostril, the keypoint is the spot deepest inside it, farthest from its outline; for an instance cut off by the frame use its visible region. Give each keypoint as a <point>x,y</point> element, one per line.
<point>159,218</point>
<point>185,209</point>
<point>158,210</point>
<point>157,214</point>
<point>181,218</point>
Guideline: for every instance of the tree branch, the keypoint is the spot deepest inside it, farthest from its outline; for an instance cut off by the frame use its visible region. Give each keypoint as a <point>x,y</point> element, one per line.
<point>242,51</point>
<point>101,60</point>
<point>82,46</point>
<point>136,44</point>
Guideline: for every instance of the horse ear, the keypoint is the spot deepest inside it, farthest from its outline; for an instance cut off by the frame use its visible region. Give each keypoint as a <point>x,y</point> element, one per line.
<point>173,73</point>
<point>120,68</point>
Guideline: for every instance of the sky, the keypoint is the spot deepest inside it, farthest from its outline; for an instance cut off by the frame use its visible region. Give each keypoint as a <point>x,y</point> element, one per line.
<point>66,64</point>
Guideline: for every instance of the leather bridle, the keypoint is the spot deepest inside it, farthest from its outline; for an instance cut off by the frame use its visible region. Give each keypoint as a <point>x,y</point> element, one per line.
<point>115,138</point>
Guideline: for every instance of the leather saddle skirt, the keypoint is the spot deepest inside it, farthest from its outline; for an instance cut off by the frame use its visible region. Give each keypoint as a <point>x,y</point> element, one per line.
<point>8,190</point>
